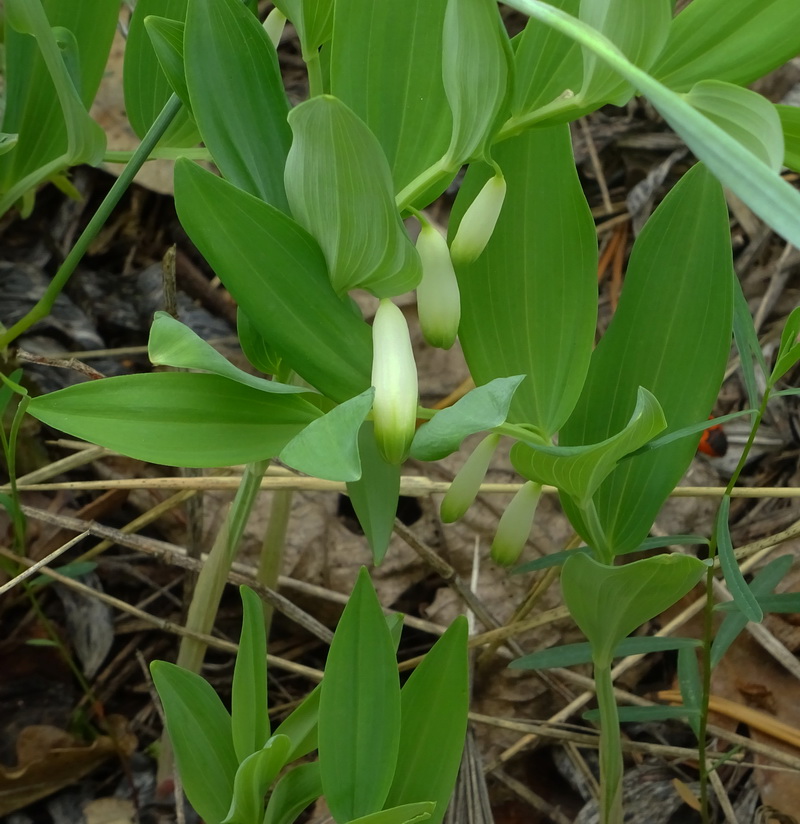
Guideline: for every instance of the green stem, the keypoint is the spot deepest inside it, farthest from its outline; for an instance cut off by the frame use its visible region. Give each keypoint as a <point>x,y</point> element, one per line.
<point>314,68</point>
<point>708,621</point>
<point>422,182</point>
<point>596,533</point>
<point>45,303</point>
<point>611,767</point>
<point>271,560</point>
<point>30,180</point>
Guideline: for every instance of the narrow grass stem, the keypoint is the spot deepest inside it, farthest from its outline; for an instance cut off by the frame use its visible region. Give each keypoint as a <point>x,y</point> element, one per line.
<point>271,560</point>
<point>708,622</point>
<point>43,306</point>
<point>610,747</point>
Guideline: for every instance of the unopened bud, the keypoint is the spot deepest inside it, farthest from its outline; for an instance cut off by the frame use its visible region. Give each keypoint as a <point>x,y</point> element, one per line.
<point>478,222</point>
<point>394,376</point>
<point>468,480</point>
<point>438,298</point>
<point>515,524</point>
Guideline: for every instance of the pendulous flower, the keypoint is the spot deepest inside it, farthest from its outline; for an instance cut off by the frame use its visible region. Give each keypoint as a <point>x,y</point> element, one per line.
<point>515,524</point>
<point>468,480</point>
<point>394,376</point>
<point>478,222</point>
<point>438,298</point>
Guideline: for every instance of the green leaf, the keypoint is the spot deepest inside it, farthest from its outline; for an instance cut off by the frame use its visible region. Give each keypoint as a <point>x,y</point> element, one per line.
<point>733,40</point>
<point>746,116</point>
<point>762,585</point>
<point>387,68</point>
<point>767,194</point>
<point>407,814</point>
<point>434,707</point>
<point>375,494</point>
<point>46,96</point>
<point>539,318</point>
<point>789,351</point>
<point>340,189</point>
<point>639,715</point>
<point>172,343</point>
<point>359,709</point>
<point>237,96</point>
<point>72,570</point>
<point>692,429</point>
<point>784,602</point>
<point>690,684</point>
<point>8,142</point>
<point>276,273</point>
<point>200,731</point>
<point>250,723</point>
<point>33,102</point>
<point>166,37</point>
<point>253,778</point>
<point>313,20</point>
<point>547,64</point>
<point>177,418</point>
<point>639,30</point>
<point>149,47</point>
<point>570,655</point>
<point>670,334</point>
<point>578,471</point>
<point>300,726</point>
<point>747,344</point>
<point>328,447</point>
<point>483,408</point>
<point>255,348</point>
<point>742,595</point>
<point>609,602</point>
<point>790,123</point>
<point>476,70</point>
<point>293,793</point>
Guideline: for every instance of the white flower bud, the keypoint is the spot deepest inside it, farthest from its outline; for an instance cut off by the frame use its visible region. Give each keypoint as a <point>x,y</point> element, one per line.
<point>438,298</point>
<point>478,222</point>
<point>515,524</point>
<point>394,376</point>
<point>468,480</point>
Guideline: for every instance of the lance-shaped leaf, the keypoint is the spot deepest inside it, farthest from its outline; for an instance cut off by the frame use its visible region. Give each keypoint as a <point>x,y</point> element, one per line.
<point>150,47</point>
<point>328,447</point>
<point>639,30</point>
<point>743,596</point>
<point>166,37</point>
<point>609,602</point>
<point>537,319</point>
<point>200,731</point>
<point>414,813</point>
<point>483,408</point>
<point>276,273</point>
<point>359,709</point>
<point>733,40</point>
<point>790,123</point>
<point>671,334</point>
<point>547,64</point>
<point>434,706</point>
<point>745,115</point>
<point>313,20</point>
<point>375,494</point>
<point>579,470</point>
<point>255,348</point>
<point>387,68</point>
<point>249,719</point>
<point>177,418</point>
<point>476,70</point>
<point>237,96</point>
<point>340,189</point>
<point>300,726</point>
<point>172,343</point>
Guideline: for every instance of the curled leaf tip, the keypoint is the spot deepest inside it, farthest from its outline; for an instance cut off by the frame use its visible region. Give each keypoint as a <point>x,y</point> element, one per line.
<point>477,225</point>
<point>468,480</point>
<point>515,524</point>
<point>438,298</point>
<point>394,376</point>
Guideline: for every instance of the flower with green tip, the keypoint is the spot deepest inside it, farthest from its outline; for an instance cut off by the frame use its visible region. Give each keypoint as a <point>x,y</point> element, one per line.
<point>438,298</point>
<point>468,480</point>
<point>394,376</point>
<point>478,222</point>
<point>515,524</point>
